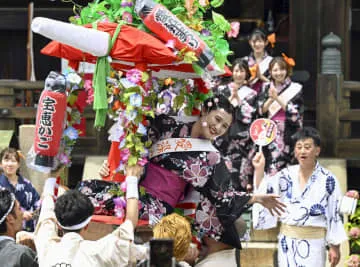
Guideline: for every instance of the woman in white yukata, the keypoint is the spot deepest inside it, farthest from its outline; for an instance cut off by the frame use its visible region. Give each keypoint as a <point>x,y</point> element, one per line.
<point>311,220</point>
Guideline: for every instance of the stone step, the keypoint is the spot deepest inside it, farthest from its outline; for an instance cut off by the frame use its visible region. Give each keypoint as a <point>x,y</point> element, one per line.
<point>258,254</point>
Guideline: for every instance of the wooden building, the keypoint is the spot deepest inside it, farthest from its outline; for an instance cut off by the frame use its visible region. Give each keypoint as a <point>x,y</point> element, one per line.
<point>300,26</point>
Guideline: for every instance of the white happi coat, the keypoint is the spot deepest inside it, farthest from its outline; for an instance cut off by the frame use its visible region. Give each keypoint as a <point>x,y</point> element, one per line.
<point>315,205</point>
<point>72,250</point>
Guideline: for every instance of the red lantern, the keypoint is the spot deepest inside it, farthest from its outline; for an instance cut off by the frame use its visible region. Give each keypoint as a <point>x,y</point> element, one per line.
<point>50,119</point>
<point>168,27</point>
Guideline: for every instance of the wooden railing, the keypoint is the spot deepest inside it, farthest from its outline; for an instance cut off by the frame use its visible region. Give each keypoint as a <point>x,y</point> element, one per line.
<point>335,116</point>
<point>13,114</point>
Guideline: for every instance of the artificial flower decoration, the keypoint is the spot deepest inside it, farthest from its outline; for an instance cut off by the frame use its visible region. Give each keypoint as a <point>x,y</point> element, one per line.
<point>290,61</point>
<point>272,39</point>
<point>71,133</point>
<point>234,32</point>
<point>253,71</point>
<point>134,76</point>
<point>127,17</point>
<point>353,261</point>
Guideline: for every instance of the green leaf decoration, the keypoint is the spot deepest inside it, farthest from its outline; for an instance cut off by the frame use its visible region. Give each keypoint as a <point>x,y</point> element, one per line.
<point>216,3</point>
<point>221,22</point>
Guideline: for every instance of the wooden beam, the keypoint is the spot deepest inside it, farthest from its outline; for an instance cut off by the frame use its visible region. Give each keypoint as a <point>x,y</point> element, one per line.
<point>348,148</point>
<point>17,18</point>
<point>30,113</point>
<point>355,20</point>
<point>352,115</point>
<point>17,84</point>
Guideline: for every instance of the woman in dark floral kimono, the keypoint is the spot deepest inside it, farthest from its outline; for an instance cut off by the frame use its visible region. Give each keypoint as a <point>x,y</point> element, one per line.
<point>259,59</point>
<point>185,167</point>
<point>183,159</point>
<point>237,145</point>
<point>281,101</point>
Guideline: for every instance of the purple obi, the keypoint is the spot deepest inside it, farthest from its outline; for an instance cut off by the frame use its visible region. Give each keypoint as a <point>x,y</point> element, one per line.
<point>164,184</point>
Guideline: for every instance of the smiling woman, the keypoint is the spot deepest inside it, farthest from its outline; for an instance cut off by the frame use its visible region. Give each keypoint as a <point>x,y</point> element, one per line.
<point>281,100</point>
<point>23,190</point>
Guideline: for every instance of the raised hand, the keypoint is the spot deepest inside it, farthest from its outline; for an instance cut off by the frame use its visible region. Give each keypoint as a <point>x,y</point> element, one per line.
<point>271,202</point>
<point>104,169</point>
<point>272,93</point>
<point>258,160</point>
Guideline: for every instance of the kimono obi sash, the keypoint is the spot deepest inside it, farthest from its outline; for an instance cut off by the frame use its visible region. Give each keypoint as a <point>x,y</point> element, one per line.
<point>303,232</point>
<point>279,116</point>
<point>288,94</point>
<point>164,184</point>
<point>171,145</point>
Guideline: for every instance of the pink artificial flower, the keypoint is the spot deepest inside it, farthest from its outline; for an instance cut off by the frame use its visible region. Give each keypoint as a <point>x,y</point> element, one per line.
<point>89,91</point>
<point>124,154</point>
<point>354,233</point>
<point>127,17</point>
<point>64,159</point>
<point>353,194</point>
<point>134,75</point>
<point>142,161</point>
<point>353,261</point>
<point>235,27</point>
<point>123,186</point>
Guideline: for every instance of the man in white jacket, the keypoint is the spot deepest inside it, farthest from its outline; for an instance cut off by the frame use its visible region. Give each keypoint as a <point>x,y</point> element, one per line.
<point>72,213</point>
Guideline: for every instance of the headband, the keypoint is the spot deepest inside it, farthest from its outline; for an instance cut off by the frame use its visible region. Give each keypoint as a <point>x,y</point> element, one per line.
<point>10,208</point>
<point>76,226</point>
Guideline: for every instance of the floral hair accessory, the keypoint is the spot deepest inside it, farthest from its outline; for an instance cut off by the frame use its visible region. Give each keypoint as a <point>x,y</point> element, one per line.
<point>253,71</point>
<point>20,154</point>
<point>290,61</point>
<point>272,39</point>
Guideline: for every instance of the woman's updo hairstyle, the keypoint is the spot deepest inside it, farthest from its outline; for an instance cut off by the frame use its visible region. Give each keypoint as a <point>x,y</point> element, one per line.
<point>258,34</point>
<point>218,102</point>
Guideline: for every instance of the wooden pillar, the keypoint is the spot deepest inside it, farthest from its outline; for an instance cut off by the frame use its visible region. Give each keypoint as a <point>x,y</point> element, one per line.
<point>327,107</point>
<point>304,43</point>
<point>7,100</point>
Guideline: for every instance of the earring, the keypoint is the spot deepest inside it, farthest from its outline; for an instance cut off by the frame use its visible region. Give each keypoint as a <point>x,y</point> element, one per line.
<point>204,124</point>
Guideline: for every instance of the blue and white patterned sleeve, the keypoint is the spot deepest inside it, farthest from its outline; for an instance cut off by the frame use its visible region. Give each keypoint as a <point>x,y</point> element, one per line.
<point>262,218</point>
<point>335,231</point>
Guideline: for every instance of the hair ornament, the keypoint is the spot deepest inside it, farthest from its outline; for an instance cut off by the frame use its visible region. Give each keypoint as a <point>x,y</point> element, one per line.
<point>20,154</point>
<point>290,61</point>
<point>272,39</point>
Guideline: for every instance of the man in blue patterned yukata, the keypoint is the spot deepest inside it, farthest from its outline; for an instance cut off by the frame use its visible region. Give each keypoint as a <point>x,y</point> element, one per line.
<point>311,221</point>
<point>23,190</point>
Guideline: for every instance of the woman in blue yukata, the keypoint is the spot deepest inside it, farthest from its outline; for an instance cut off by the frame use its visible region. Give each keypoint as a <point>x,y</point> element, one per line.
<point>22,188</point>
<point>311,193</point>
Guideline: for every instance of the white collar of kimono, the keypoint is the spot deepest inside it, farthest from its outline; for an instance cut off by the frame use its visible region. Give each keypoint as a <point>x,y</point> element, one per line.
<point>6,237</point>
<point>76,226</point>
<point>10,208</point>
